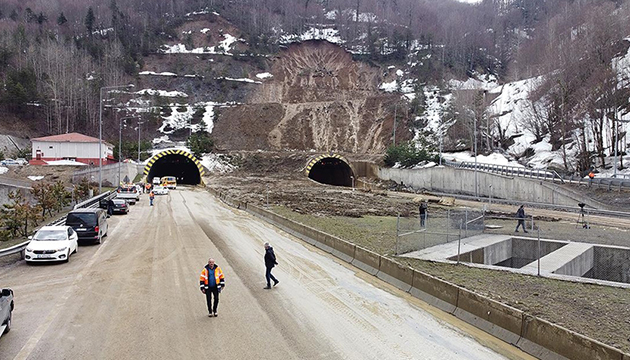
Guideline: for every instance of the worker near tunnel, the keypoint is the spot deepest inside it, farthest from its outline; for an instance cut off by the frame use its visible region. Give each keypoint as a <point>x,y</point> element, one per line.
<point>211,282</point>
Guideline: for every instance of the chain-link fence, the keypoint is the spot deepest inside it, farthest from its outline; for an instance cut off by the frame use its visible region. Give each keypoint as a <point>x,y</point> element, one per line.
<point>586,251</point>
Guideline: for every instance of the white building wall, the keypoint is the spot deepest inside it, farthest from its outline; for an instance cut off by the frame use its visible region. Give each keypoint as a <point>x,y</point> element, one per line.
<point>69,150</point>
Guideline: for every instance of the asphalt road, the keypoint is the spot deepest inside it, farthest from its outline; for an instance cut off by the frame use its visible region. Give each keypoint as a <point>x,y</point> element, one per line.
<point>136,296</point>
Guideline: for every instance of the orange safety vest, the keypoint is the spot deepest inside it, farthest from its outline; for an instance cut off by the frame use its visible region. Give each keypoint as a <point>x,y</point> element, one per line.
<point>591,175</point>
<point>218,276</point>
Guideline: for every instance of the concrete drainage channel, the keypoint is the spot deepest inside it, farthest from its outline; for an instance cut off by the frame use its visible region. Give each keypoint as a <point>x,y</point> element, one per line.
<point>602,264</point>
<point>529,333</point>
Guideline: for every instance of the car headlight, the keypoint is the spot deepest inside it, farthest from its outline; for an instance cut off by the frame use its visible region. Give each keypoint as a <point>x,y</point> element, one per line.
<point>62,249</point>
<point>29,250</point>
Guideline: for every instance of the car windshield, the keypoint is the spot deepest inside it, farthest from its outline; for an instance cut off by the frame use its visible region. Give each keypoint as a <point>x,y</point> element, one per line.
<point>81,218</point>
<point>119,202</point>
<point>50,235</point>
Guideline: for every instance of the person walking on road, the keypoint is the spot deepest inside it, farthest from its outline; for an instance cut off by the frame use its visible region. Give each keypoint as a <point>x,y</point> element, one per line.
<point>151,197</point>
<point>520,215</point>
<point>211,282</point>
<point>270,262</point>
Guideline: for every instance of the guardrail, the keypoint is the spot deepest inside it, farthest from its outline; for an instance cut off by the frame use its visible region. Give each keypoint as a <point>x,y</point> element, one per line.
<point>508,170</point>
<point>90,203</point>
<point>618,183</point>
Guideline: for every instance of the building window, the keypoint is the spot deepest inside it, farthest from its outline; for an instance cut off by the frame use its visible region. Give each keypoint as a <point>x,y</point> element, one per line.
<point>50,147</point>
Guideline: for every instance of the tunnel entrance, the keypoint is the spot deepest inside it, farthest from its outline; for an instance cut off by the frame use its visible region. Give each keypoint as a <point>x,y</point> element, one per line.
<point>331,170</point>
<point>179,163</point>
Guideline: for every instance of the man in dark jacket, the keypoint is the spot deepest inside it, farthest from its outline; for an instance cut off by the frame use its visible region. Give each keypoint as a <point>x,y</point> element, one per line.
<point>270,262</point>
<point>520,215</point>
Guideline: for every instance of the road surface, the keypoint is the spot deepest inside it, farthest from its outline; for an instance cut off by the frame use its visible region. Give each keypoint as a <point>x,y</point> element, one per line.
<point>136,296</point>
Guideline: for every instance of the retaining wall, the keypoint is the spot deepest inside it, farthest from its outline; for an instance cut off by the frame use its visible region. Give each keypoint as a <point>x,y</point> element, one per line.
<point>535,336</point>
<point>109,173</point>
<point>462,181</point>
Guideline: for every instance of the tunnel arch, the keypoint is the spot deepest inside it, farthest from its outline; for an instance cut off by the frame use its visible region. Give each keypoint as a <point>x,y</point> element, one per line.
<point>179,163</point>
<point>330,169</point>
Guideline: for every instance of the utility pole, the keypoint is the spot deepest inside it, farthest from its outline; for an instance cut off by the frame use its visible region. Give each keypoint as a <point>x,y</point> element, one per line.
<point>100,131</point>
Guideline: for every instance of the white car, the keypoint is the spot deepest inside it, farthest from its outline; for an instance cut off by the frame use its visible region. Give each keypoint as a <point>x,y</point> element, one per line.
<point>160,190</point>
<point>52,243</point>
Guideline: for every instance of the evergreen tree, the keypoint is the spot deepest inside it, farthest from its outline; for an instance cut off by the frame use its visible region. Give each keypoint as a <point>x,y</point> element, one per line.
<point>89,21</point>
<point>61,19</point>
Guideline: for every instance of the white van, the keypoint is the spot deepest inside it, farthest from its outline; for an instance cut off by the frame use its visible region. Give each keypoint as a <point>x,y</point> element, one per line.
<point>156,180</point>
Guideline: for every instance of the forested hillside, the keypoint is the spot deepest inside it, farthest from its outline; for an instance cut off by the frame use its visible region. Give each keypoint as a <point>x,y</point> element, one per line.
<point>56,55</point>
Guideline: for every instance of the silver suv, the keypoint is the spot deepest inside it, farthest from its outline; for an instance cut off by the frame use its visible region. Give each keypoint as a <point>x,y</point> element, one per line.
<point>6,309</point>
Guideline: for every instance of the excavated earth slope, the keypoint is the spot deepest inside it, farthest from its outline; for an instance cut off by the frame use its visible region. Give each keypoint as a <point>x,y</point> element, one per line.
<point>319,98</point>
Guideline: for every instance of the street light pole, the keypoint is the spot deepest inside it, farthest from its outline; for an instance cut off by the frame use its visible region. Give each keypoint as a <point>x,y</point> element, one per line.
<point>100,131</point>
<point>475,149</point>
<point>395,108</point>
<point>120,144</point>
<point>139,123</point>
<point>616,142</point>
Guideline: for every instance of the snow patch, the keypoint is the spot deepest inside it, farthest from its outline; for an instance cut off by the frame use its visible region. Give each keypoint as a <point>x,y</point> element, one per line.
<point>264,75</point>
<point>65,162</point>
<point>157,74</point>
<point>3,170</point>
<point>215,163</point>
<point>35,178</point>
<point>330,35</point>
<point>162,93</point>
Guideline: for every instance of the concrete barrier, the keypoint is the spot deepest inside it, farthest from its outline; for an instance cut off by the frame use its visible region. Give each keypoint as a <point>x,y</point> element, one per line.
<point>396,274</point>
<point>491,316</point>
<point>434,291</point>
<point>549,341</point>
<point>343,250</point>
<point>366,260</point>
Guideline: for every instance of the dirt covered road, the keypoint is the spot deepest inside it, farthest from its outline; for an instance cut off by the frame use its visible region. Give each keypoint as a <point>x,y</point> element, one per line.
<point>136,296</point>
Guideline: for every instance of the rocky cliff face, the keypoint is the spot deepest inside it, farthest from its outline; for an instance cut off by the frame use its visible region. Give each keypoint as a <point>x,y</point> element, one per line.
<point>320,99</point>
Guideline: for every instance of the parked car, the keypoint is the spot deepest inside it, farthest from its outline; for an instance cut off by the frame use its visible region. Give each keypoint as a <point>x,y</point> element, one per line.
<point>21,161</point>
<point>9,162</point>
<point>160,190</point>
<point>119,206</point>
<point>52,243</point>
<point>6,310</point>
<point>90,224</point>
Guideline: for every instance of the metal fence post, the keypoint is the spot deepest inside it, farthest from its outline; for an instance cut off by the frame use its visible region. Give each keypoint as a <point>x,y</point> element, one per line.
<point>448,223</point>
<point>539,252</point>
<point>532,222</point>
<point>397,232</point>
<point>466,224</point>
<point>459,241</point>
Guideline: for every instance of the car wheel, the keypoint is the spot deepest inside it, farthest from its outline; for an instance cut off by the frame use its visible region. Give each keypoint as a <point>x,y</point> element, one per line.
<point>98,241</point>
<point>68,256</point>
<point>8,328</point>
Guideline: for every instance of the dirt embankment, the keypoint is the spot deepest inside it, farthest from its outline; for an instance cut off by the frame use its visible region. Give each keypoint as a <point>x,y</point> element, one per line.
<point>318,98</point>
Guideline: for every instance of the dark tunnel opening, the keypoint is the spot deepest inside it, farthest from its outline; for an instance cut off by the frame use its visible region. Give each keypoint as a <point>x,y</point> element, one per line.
<point>332,171</point>
<point>180,166</point>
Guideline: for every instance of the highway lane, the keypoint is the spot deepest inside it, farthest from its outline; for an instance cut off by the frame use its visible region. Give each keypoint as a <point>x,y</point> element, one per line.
<point>136,296</point>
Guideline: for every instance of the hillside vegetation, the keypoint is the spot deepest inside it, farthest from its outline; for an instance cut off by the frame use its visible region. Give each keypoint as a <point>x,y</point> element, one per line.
<point>56,56</point>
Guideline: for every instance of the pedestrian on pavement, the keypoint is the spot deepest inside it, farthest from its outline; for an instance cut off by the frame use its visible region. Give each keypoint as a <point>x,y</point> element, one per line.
<point>211,282</point>
<point>270,262</point>
<point>424,211</point>
<point>520,215</point>
<point>151,197</point>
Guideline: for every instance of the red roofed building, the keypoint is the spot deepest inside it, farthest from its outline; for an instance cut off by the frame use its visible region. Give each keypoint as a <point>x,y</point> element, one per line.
<point>73,146</point>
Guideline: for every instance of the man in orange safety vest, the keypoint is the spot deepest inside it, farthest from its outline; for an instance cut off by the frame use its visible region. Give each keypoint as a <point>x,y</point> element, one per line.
<point>211,282</point>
